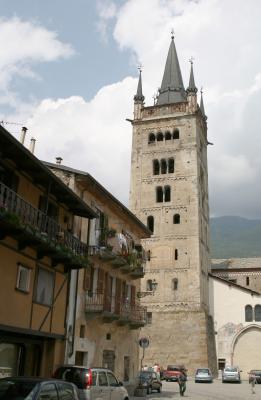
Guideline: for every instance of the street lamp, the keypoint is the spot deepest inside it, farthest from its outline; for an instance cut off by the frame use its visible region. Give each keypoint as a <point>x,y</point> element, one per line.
<point>152,285</point>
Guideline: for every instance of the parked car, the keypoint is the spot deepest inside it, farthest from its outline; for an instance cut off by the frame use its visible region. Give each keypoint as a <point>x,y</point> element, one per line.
<point>203,375</point>
<point>231,374</point>
<point>93,383</point>
<point>257,374</point>
<point>149,380</point>
<point>173,372</point>
<point>22,388</point>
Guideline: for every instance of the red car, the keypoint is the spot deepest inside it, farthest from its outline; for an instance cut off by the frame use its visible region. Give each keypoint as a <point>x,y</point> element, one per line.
<point>173,372</point>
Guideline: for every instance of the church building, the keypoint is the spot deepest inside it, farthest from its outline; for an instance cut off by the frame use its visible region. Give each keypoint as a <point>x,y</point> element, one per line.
<point>169,193</point>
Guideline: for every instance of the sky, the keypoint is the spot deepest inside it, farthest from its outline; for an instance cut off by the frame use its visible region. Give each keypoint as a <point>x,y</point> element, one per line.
<point>68,72</point>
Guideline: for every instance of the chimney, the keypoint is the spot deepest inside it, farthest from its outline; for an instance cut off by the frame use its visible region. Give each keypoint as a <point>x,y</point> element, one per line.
<point>32,145</point>
<point>59,160</point>
<point>23,133</point>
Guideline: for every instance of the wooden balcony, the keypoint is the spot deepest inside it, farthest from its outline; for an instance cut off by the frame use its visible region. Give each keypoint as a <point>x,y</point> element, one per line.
<point>110,309</point>
<point>31,227</point>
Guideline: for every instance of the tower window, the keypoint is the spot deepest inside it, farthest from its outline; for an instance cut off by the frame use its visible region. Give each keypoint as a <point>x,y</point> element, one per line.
<point>156,167</point>
<point>176,134</point>
<point>163,166</point>
<point>171,165</point>
<point>167,193</point>
<point>247,280</point>
<point>150,223</point>
<point>248,313</point>
<point>151,138</point>
<point>159,194</point>
<point>149,318</point>
<point>160,137</point>
<point>168,135</point>
<point>258,312</point>
<point>149,285</point>
<point>176,254</point>
<point>175,284</point>
<point>176,219</point>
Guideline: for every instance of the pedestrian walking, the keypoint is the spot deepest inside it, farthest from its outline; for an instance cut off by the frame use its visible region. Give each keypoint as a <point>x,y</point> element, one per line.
<point>252,381</point>
<point>182,379</point>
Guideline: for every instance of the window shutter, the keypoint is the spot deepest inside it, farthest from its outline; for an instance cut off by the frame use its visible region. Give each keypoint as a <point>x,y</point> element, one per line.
<point>118,296</point>
<point>100,283</point>
<point>133,295</point>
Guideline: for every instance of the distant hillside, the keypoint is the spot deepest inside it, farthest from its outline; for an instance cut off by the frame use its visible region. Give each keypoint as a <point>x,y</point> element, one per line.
<point>232,237</point>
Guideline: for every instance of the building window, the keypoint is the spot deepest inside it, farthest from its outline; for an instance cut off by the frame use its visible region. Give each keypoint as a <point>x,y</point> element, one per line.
<point>247,280</point>
<point>159,194</point>
<point>176,219</point>
<point>156,167</point>
<point>160,137</point>
<point>149,286</point>
<point>258,313</point>
<point>149,318</point>
<point>168,135</point>
<point>150,223</point>
<point>163,166</point>
<point>248,313</point>
<point>23,278</point>
<point>176,134</point>
<point>175,284</point>
<point>176,254</point>
<point>151,138</point>
<point>167,195</point>
<point>171,165</point>
<point>126,368</point>
<point>82,331</point>
<point>221,363</point>
<point>44,287</point>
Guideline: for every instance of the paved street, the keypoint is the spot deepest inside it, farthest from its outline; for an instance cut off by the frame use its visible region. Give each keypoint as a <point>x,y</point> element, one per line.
<point>205,391</point>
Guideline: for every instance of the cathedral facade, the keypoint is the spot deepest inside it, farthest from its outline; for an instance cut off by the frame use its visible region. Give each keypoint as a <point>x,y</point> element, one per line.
<point>169,193</point>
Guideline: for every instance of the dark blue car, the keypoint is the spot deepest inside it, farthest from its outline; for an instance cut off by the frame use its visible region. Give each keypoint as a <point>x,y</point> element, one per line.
<point>21,388</point>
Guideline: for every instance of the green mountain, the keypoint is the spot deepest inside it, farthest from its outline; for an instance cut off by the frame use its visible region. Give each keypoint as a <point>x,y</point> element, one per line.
<point>235,237</point>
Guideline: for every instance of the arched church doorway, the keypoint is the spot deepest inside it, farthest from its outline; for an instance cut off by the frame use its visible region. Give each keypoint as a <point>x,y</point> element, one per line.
<point>247,350</point>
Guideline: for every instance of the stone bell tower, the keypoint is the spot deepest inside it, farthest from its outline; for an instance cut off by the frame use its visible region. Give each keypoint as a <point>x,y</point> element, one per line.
<point>169,193</point>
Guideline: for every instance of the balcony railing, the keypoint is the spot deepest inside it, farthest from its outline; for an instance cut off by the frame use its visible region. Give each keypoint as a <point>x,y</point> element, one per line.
<point>21,216</point>
<point>110,307</point>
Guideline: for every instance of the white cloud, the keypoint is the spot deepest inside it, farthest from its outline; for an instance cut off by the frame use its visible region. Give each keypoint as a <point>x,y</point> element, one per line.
<point>93,136</point>
<point>24,44</point>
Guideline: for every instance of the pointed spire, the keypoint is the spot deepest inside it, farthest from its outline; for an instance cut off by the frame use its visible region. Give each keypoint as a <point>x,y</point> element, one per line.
<point>191,87</point>
<point>139,98</point>
<point>202,108</point>
<point>172,88</point>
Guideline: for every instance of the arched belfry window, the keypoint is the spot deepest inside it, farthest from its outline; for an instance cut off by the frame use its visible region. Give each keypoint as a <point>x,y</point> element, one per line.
<point>248,313</point>
<point>176,219</point>
<point>176,134</point>
<point>163,166</point>
<point>168,135</point>
<point>151,138</point>
<point>150,223</point>
<point>176,254</point>
<point>171,165</point>
<point>159,194</point>
<point>175,283</point>
<point>167,196</point>
<point>160,137</point>
<point>258,312</point>
<point>156,167</point>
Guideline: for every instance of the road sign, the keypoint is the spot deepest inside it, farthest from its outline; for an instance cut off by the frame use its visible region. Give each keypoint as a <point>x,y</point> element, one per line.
<point>144,342</point>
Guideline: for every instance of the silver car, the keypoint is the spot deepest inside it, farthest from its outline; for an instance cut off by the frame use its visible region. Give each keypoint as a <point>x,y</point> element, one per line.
<point>203,375</point>
<point>93,383</point>
<point>231,374</point>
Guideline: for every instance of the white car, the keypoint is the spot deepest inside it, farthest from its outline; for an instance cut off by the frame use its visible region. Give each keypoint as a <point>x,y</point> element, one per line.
<point>203,375</point>
<point>231,374</point>
<point>93,383</point>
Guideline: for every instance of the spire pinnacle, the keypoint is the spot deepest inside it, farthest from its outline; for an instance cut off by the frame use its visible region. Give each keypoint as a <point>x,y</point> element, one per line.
<point>202,108</point>
<point>172,88</point>
<point>139,98</point>
<point>191,87</point>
